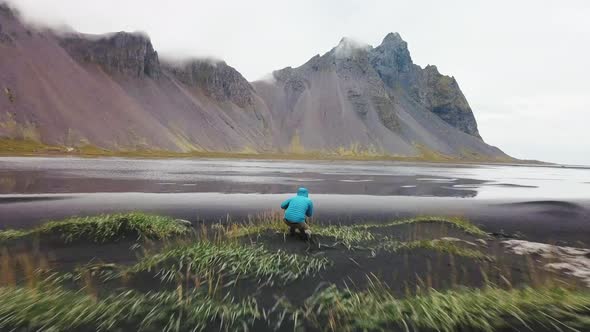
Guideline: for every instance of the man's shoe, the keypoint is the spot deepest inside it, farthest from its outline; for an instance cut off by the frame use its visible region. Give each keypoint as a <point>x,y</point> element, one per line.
<point>307,236</point>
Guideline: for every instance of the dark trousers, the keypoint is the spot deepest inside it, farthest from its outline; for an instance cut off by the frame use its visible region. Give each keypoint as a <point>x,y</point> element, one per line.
<point>303,227</point>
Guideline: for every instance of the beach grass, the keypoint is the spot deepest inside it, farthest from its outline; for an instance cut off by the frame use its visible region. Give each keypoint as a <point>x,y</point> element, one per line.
<point>52,308</point>
<point>346,235</point>
<point>198,274</point>
<point>360,236</point>
<point>105,228</point>
<point>231,261</point>
<point>467,309</point>
<point>457,222</point>
<point>46,305</point>
<point>440,245</point>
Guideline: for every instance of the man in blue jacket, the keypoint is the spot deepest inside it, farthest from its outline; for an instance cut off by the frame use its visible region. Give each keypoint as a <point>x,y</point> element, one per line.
<point>296,209</point>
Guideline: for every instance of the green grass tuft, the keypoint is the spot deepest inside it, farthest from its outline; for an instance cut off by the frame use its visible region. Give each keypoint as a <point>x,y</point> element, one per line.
<point>254,229</point>
<point>56,309</point>
<point>457,222</point>
<point>348,236</point>
<point>230,261</point>
<point>11,234</point>
<point>485,309</point>
<point>104,228</point>
<point>360,236</point>
<point>437,245</point>
<point>26,147</point>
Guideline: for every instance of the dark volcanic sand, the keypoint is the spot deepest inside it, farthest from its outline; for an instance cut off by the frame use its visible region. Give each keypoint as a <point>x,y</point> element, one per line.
<point>541,221</point>
<point>402,271</point>
<point>406,272</point>
<point>541,204</point>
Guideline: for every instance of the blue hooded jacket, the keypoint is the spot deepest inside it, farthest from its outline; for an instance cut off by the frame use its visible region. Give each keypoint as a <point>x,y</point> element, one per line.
<point>296,208</point>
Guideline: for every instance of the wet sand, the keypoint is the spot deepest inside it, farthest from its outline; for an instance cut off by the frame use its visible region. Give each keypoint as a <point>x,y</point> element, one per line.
<point>564,222</point>
<point>541,203</point>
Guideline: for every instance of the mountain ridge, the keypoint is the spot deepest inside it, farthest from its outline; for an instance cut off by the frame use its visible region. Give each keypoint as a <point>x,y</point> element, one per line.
<point>114,92</point>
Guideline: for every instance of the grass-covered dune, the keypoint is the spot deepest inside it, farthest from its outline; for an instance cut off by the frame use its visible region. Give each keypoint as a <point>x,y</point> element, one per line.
<point>52,308</point>
<point>426,273</point>
<point>232,260</point>
<point>104,228</point>
<point>488,309</point>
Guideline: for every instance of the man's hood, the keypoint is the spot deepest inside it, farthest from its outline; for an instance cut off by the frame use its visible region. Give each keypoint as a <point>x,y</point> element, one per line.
<point>302,192</point>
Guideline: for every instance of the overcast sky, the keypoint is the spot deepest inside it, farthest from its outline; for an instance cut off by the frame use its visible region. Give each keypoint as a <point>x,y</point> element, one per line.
<point>523,65</point>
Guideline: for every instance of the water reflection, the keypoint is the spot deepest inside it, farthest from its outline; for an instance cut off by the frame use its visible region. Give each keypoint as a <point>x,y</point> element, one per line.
<point>78,175</point>
<point>33,182</point>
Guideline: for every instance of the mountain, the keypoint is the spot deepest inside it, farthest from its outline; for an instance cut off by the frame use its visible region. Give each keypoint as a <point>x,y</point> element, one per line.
<point>377,99</point>
<point>114,92</point>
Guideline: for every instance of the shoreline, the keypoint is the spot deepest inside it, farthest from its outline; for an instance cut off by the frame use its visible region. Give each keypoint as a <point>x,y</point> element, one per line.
<point>540,220</point>
<point>277,156</point>
<point>291,157</point>
<point>34,149</point>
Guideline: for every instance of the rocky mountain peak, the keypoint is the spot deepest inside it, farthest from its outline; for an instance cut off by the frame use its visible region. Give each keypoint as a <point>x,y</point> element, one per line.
<point>348,42</point>
<point>437,93</point>
<point>393,38</point>
<point>122,52</point>
<point>431,69</point>
<point>392,53</point>
<point>6,11</point>
<point>349,48</point>
<point>7,18</point>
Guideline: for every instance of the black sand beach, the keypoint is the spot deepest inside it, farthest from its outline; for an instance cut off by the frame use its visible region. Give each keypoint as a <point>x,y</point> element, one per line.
<point>365,227</point>
<point>566,222</point>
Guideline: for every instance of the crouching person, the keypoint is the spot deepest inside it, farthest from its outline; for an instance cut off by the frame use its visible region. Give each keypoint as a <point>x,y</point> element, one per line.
<point>296,209</point>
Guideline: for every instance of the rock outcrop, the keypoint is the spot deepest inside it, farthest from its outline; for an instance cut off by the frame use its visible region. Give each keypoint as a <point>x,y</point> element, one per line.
<point>220,81</point>
<point>438,93</point>
<point>123,53</point>
<point>5,15</point>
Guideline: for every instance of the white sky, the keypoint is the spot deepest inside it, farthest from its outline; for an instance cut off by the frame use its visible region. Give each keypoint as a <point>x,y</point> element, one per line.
<point>523,65</point>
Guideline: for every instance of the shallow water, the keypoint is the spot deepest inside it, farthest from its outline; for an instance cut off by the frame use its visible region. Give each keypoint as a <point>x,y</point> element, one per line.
<point>544,203</point>
<point>78,175</point>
